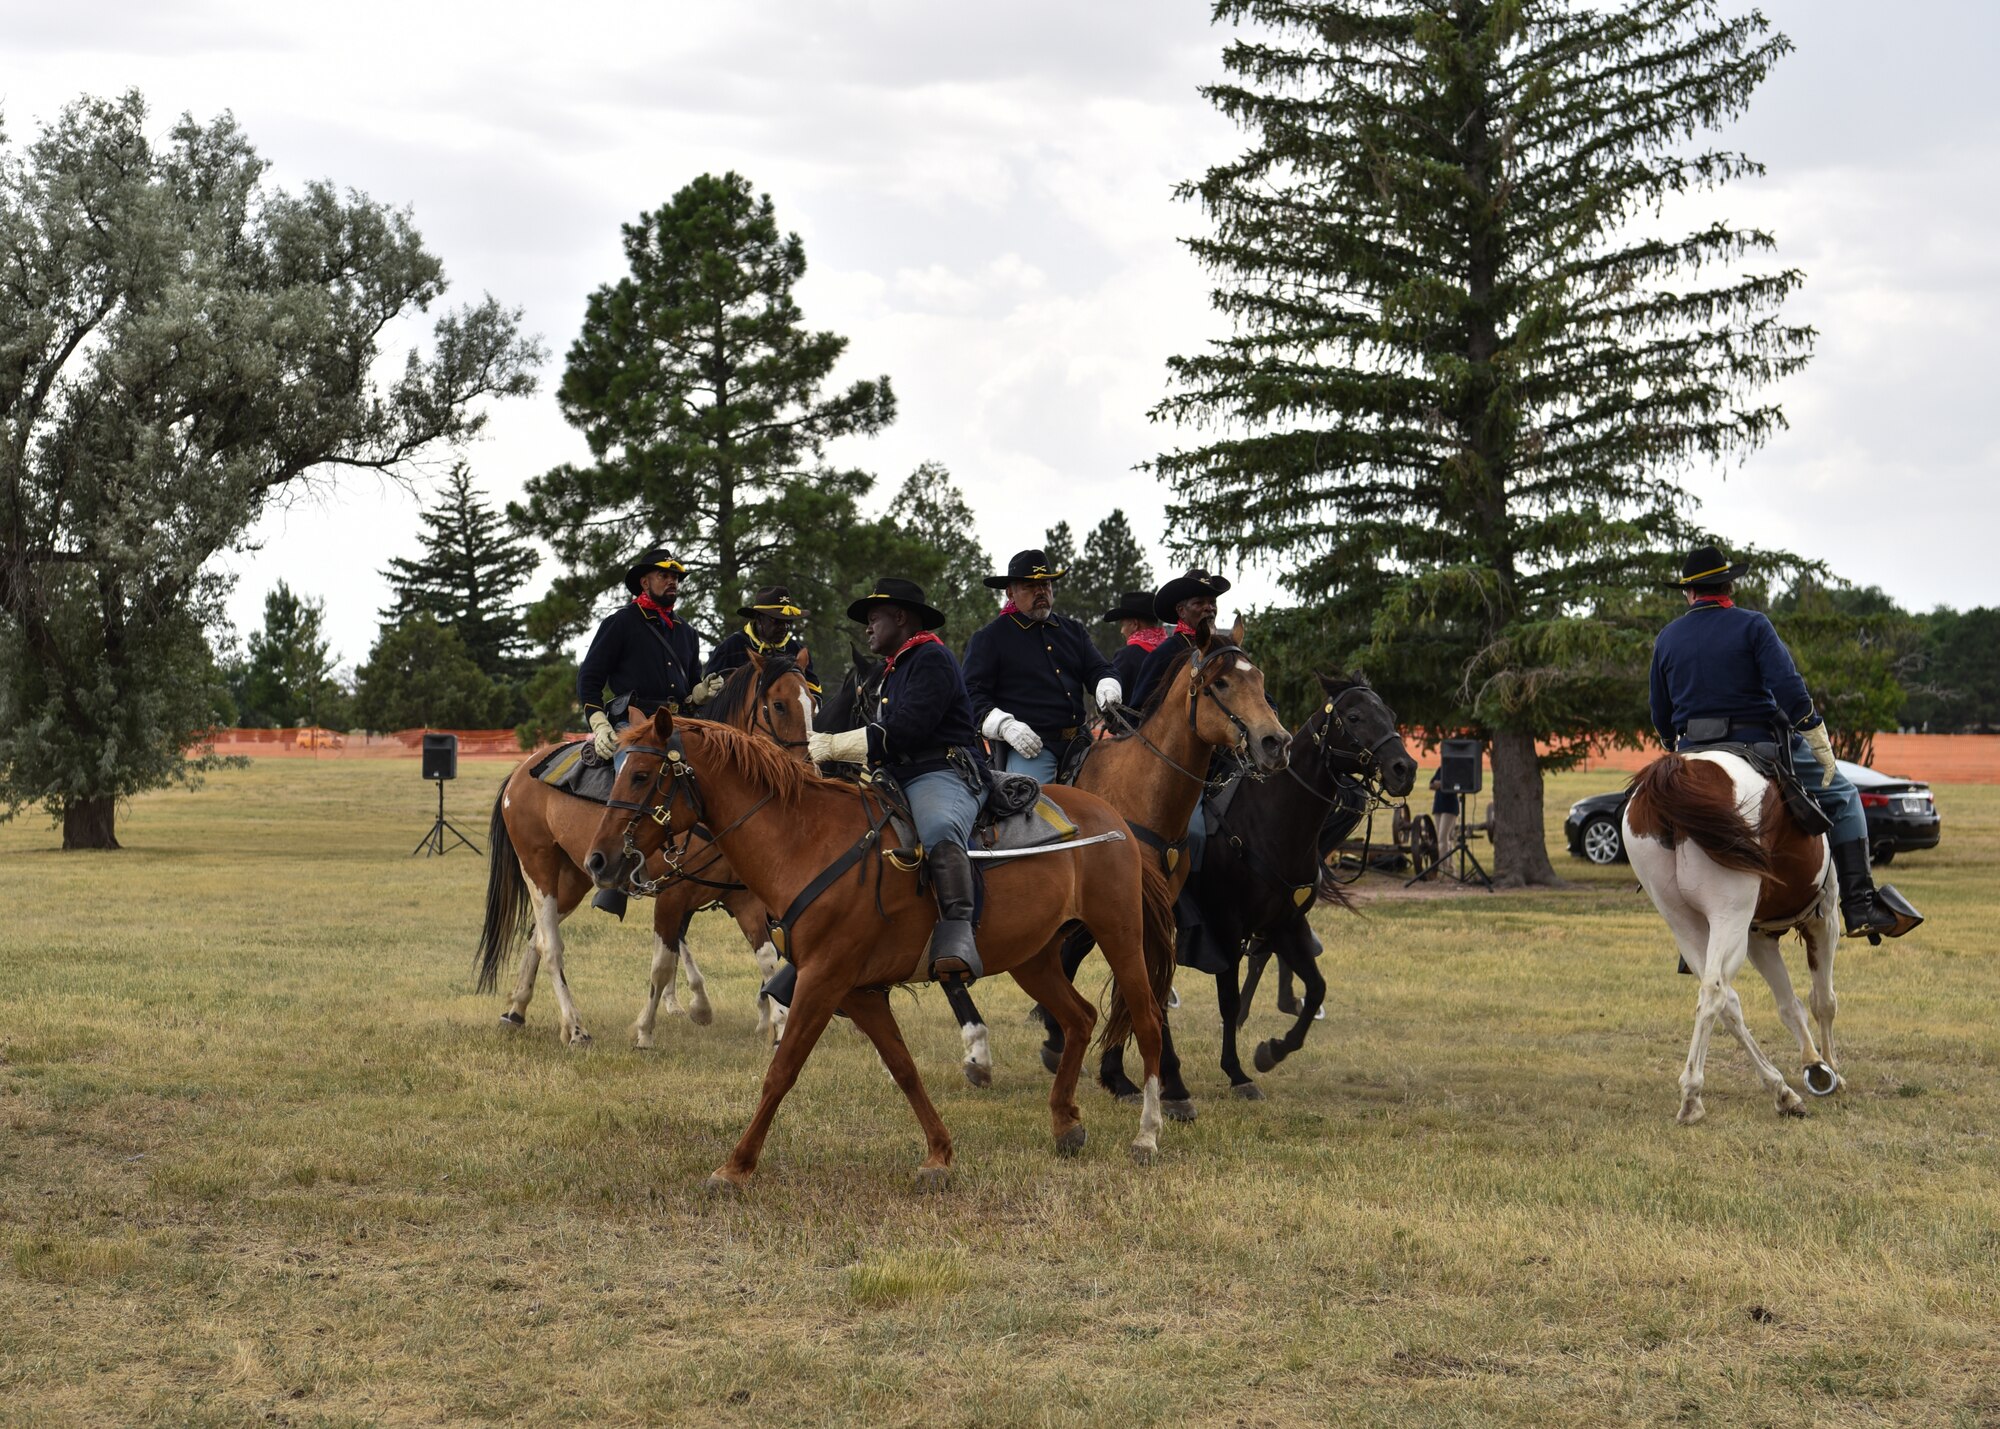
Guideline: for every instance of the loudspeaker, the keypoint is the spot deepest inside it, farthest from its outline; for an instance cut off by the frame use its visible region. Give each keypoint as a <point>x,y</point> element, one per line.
<point>1460,770</point>
<point>440,756</point>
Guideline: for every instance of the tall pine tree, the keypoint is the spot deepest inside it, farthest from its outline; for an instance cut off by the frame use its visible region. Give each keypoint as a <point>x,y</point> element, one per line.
<point>948,561</point>
<point>1112,563</point>
<point>698,387</point>
<point>1461,382</point>
<point>470,570</point>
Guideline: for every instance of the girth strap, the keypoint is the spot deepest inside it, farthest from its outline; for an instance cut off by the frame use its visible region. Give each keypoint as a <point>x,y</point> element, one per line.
<point>1170,853</point>
<point>781,928</point>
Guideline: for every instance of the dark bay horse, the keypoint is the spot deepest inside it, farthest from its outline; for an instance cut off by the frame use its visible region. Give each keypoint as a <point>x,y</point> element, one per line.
<point>535,876</point>
<point>1731,873</point>
<point>1260,876</point>
<point>784,828</point>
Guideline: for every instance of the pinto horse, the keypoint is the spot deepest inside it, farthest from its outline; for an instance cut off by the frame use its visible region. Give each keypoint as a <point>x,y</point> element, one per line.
<point>1260,877</point>
<point>540,835</point>
<point>1713,847</point>
<point>858,924</point>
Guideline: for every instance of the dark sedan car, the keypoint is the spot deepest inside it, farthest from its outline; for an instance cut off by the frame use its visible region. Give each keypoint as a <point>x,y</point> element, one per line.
<point>1901,815</point>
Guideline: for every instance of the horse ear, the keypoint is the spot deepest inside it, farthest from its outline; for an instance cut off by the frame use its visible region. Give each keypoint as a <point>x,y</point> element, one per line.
<point>1326,682</point>
<point>1238,630</point>
<point>757,661</point>
<point>804,658</point>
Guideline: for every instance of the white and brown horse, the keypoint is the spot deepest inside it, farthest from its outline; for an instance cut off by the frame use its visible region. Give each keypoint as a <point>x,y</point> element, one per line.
<point>1731,873</point>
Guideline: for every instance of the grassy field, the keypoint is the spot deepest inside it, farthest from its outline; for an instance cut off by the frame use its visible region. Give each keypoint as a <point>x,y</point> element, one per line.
<point>267,1159</point>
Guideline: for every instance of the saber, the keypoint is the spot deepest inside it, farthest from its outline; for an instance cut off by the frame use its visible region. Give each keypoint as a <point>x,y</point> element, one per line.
<point>1107,837</point>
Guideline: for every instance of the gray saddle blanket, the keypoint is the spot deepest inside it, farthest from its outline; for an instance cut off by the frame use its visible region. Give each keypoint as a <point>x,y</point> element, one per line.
<point>1775,764</point>
<point>574,768</point>
<point>1039,824</point>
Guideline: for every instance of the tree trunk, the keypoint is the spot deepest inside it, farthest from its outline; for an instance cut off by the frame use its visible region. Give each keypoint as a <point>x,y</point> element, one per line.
<point>1520,840</point>
<point>90,823</point>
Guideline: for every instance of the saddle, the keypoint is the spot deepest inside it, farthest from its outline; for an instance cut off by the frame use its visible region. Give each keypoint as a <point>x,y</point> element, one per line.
<point>1016,815</point>
<point>575,769</point>
<point>1774,762</point>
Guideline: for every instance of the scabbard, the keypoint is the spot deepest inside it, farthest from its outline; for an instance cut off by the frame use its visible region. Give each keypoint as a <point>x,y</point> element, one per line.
<point>1107,837</point>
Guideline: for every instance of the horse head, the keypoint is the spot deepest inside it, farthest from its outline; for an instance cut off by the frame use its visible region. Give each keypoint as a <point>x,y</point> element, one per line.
<point>1357,722</point>
<point>649,802</point>
<point>1227,707</point>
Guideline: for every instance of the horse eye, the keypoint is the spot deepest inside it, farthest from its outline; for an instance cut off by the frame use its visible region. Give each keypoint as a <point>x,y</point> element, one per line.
<point>1221,684</point>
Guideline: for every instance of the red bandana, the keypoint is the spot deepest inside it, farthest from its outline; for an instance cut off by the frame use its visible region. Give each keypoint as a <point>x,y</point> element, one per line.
<point>1148,638</point>
<point>922,637</point>
<point>1181,627</point>
<point>646,602</point>
<point>1720,602</point>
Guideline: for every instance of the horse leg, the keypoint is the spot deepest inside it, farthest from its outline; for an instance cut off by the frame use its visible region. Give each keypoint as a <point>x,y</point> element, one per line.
<point>978,1064</point>
<point>1288,996</point>
<point>813,1002</point>
<point>1228,1001</point>
<point>1294,959</point>
<point>516,1015</point>
<point>1790,1103</point>
<point>699,1011</point>
<point>1041,978</point>
<point>870,1012</point>
<point>1764,956</point>
<point>1259,957</point>
<point>770,1015</point>
<point>548,930</point>
<point>1822,935</point>
<point>1176,1101</point>
<point>661,980</point>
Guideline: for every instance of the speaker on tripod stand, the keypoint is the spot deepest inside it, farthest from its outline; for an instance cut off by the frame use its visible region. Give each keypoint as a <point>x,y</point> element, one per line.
<point>440,762</point>
<point>1462,773</point>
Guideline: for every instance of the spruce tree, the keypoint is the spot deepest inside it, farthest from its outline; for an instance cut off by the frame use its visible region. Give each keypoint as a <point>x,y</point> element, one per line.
<point>1464,377</point>
<point>1112,563</point>
<point>469,572</point>
<point>287,675</point>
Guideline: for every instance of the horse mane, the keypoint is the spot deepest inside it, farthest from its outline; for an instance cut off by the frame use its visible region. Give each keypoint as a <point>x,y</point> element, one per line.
<point>761,762</point>
<point>1157,696</point>
<point>1676,798</point>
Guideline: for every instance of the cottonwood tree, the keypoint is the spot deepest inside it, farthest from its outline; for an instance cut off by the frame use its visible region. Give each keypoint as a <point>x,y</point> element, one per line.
<point>1466,366</point>
<point>181,344</point>
<point>699,389</point>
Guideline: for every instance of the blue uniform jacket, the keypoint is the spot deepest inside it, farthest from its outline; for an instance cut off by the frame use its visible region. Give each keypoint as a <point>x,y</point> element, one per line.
<point>1155,665</point>
<point>1036,670</point>
<point>922,715</point>
<point>1718,661</point>
<point>634,654</point>
<point>1125,668</point>
<point>734,650</point>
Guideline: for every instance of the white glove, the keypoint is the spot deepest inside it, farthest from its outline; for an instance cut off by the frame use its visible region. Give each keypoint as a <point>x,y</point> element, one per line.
<point>604,739</point>
<point>1001,725</point>
<point>1109,692</point>
<point>706,690</point>
<point>1822,750</point>
<point>848,747</point>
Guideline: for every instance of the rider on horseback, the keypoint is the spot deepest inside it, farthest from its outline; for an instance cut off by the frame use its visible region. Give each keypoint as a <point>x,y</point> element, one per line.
<point>1027,671</point>
<point>921,731</point>
<point>1142,631</point>
<point>770,630</point>
<point>1721,674</point>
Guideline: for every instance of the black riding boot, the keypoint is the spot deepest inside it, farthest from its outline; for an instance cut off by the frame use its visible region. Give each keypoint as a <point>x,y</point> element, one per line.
<point>954,958</point>
<point>1866,910</point>
<point>612,901</point>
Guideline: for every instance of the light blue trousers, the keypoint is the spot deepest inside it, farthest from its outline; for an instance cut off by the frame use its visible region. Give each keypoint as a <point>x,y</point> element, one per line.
<point>1042,766</point>
<point>1837,796</point>
<point>942,807</point>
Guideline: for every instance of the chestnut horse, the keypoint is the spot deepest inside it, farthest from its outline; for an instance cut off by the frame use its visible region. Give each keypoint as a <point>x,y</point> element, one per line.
<point>785,829</point>
<point>1713,847</point>
<point>540,835</point>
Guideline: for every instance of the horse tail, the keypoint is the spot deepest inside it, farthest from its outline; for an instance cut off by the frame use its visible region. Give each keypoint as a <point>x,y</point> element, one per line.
<point>506,897</point>
<point>1676,798</point>
<point>1157,930</point>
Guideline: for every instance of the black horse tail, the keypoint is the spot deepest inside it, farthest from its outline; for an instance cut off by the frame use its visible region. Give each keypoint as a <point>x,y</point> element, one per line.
<point>506,897</point>
<point>1157,906</point>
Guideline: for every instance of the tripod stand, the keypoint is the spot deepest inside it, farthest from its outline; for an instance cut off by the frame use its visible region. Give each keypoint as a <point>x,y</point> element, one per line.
<point>434,841</point>
<point>1459,849</point>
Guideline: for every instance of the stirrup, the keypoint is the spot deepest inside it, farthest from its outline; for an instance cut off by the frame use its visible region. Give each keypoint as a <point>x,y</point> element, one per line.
<point>612,901</point>
<point>954,956</point>
<point>951,970</point>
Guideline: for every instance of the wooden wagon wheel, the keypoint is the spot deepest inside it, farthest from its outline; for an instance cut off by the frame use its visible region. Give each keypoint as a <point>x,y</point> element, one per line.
<point>1424,843</point>
<point>1399,826</point>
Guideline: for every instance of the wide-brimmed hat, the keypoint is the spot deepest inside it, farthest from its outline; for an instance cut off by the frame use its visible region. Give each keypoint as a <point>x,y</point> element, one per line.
<point>1133,605</point>
<point>657,559</point>
<point>1195,582</point>
<point>1706,565</point>
<point>1026,566</point>
<point>774,601</point>
<point>897,592</point>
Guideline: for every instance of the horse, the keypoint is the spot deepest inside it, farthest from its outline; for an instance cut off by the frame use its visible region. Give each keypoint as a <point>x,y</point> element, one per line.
<point>1209,699</point>
<point>1714,848</point>
<point>847,708</point>
<point>1260,876</point>
<point>539,836</point>
<point>855,926</point>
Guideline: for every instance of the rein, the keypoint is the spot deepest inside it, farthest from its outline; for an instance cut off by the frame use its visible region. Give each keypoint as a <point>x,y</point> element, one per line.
<point>673,757</point>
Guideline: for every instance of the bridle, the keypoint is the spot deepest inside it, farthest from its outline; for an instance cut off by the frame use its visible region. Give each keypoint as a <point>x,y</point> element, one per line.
<point>677,774</point>
<point>1365,761</point>
<point>1238,752</point>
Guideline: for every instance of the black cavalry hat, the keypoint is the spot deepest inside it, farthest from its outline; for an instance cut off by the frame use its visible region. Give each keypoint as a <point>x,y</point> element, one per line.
<point>657,559</point>
<point>774,601</point>
<point>898,592</point>
<point>1026,566</point>
<point>1133,605</point>
<point>1195,582</point>
<point>1706,565</point>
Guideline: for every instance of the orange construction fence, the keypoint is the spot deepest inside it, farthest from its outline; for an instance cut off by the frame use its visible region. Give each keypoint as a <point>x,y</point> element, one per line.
<point>310,743</point>
<point>1933,758</point>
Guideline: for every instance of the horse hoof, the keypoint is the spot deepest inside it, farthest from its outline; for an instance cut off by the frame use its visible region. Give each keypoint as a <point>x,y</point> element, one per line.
<point>978,1074</point>
<point>1691,1112</point>
<point>1790,1104</point>
<point>1264,1059</point>
<point>580,1042</point>
<point>1142,1155</point>
<point>1051,1057</point>
<point>512,1022</point>
<point>701,1014</point>
<point>1822,1080</point>
<point>720,1187</point>
<point>932,1179</point>
<point>1070,1143</point>
<point>642,1044</point>
<point>1248,1092</point>
<point>1180,1109</point>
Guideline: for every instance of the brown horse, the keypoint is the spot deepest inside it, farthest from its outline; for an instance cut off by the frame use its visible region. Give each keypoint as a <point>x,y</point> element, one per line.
<point>785,828</point>
<point>1731,872</point>
<point>540,836</point>
<point>1155,774</point>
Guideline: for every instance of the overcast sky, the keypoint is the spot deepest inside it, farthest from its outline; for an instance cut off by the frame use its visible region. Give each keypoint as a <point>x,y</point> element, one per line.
<point>984,193</point>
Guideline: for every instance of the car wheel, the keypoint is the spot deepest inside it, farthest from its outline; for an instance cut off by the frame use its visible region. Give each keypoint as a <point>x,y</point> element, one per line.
<point>1883,853</point>
<point>1603,842</point>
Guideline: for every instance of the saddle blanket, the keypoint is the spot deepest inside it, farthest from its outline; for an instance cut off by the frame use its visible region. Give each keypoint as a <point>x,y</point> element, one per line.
<point>1036,826</point>
<point>567,769</point>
